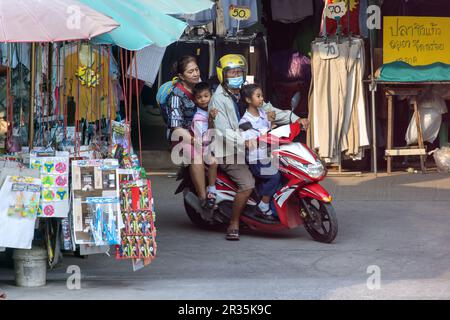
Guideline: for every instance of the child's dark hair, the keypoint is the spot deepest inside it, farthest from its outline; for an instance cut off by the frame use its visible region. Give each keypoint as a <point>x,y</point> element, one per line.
<point>247,91</point>
<point>201,86</point>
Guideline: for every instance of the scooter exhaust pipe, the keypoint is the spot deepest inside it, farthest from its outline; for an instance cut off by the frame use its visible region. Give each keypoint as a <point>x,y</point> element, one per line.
<point>193,201</point>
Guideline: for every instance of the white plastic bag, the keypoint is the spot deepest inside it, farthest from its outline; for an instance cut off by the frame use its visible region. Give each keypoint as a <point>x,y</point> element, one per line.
<point>430,120</point>
<point>431,105</point>
<point>442,159</point>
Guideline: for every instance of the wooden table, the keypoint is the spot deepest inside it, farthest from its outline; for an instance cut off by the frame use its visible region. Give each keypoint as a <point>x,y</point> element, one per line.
<point>390,151</point>
<point>373,85</point>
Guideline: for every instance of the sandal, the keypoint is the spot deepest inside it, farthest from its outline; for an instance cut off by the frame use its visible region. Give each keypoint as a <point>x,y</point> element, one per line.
<point>232,235</point>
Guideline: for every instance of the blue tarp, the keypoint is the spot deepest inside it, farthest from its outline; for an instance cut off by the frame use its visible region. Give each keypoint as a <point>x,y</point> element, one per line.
<point>144,22</point>
<point>403,72</point>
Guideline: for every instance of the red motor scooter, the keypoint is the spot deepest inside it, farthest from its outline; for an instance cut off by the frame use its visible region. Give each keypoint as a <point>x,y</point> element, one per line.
<point>300,201</point>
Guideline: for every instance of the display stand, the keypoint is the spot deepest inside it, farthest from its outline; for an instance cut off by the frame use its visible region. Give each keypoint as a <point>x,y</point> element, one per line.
<point>390,150</point>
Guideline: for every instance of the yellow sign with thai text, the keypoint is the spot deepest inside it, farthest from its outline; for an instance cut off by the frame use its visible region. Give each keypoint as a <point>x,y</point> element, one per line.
<point>416,40</point>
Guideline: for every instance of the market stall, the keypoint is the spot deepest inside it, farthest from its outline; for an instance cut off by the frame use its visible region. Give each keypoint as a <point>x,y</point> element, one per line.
<point>73,180</point>
<point>414,57</point>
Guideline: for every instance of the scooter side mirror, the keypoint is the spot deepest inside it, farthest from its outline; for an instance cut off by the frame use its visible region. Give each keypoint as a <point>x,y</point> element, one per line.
<point>295,101</point>
<point>245,126</point>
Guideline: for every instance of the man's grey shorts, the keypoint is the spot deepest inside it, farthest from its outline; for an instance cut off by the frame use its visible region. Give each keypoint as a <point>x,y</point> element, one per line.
<point>239,174</point>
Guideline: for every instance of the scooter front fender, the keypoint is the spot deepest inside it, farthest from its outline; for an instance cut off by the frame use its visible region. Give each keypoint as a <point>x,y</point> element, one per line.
<point>315,191</point>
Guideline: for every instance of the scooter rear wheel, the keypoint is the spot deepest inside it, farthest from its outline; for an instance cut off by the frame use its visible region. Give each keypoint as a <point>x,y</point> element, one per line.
<point>321,221</point>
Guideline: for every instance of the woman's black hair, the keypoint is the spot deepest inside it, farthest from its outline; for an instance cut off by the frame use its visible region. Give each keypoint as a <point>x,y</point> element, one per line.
<point>180,66</point>
<point>201,86</point>
<point>247,91</point>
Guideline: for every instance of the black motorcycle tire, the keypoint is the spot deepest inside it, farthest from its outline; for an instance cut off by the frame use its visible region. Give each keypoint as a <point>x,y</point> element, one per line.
<point>327,211</point>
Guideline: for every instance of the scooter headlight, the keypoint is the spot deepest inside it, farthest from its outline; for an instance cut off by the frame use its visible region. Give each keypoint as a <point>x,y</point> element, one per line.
<point>314,170</point>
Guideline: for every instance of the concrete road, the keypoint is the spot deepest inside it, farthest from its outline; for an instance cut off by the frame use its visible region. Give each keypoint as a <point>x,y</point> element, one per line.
<point>405,241</point>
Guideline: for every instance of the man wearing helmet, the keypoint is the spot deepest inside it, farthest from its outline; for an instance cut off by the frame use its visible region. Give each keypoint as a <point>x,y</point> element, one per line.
<point>232,72</point>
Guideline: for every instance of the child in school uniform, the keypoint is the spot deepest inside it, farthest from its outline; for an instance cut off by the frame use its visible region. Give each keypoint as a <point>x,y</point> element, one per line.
<point>258,159</point>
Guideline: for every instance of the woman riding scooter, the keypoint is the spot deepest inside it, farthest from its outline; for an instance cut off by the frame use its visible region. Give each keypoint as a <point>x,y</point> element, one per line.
<point>182,108</point>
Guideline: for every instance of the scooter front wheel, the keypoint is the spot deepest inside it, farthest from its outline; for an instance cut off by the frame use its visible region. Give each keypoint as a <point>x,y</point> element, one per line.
<point>320,220</point>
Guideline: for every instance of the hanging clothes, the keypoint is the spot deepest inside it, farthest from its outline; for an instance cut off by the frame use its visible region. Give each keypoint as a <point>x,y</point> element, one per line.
<point>364,30</point>
<point>332,26</point>
<point>221,29</point>
<point>199,18</point>
<point>291,11</point>
<point>148,62</point>
<point>337,105</point>
<point>416,8</point>
<point>87,78</point>
<point>20,53</point>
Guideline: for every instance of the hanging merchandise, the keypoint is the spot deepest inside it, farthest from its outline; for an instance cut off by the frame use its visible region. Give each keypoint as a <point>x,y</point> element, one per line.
<point>120,135</point>
<point>96,179</point>
<point>291,11</point>
<point>337,102</point>
<point>333,25</point>
<point>104,222</point>
<point>290,65</point>
<point>3,133</point>
<point>138,238</point>
<point>54,173</point>
<point>66,235</point>
<point>201,18</point>
<point>88,81</point>
<point>18,211</point>
<point>148,61</point>
<point>15,93</point>
<point>122,149</point>
<point>20,54</point>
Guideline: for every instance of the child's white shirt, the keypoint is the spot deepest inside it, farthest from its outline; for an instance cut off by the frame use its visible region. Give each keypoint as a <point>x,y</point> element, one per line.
<point>260,125</point>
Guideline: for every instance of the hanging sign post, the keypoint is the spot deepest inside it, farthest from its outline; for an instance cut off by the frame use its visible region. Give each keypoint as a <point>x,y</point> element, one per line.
<point>239,13</point>
<point>336,10</point>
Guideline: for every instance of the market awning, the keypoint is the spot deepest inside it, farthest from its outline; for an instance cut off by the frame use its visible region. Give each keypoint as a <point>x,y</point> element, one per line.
<point>50,21</point>
<point>144,22</point>
<point>180,6</point>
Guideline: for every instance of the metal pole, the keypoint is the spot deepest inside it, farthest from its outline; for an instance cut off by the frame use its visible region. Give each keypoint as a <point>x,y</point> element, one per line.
<point>348,18</point>
<point>32,96</point>
<point>373,88</point>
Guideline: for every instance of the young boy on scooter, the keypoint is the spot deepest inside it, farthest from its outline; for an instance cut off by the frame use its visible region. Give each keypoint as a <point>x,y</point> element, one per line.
<point>200,124</point>
<point>259,162</point>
